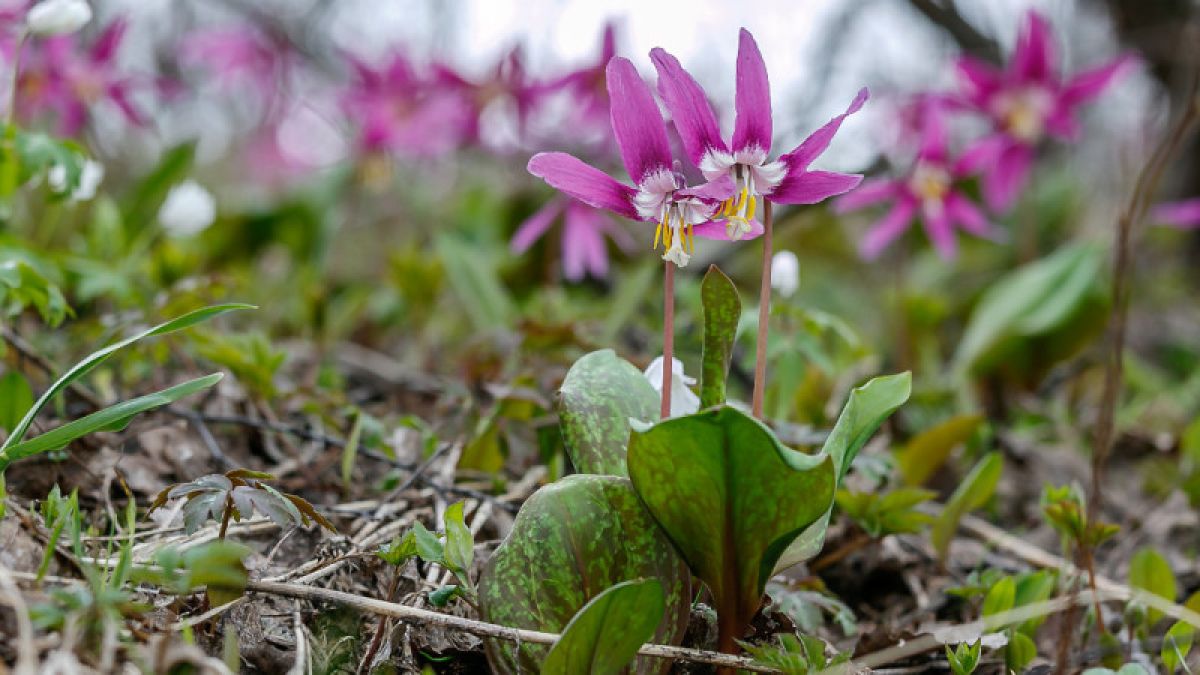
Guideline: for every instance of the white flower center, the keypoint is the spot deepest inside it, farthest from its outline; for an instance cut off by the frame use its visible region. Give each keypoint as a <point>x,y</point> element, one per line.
<point>1023,112</point>
<point>753,176</point>
<point>930,183</point>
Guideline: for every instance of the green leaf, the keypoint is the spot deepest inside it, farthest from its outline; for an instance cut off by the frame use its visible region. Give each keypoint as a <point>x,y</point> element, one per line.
<point>722,308</point>
<point>399,550</point>
<point>867,408</point>
<point>1032,588</point>
<point>460,543</point>
<point>599,396</point>
<point>441,596</point>
<point>973,492</point>
<point>473,278</point>
<point>350,451</point>
<point>1177,643</point>
<point>1000,598</point>
<point>96,358</point>
<point>1149,571</point>
<point>1035,315</point>
<point>1019,651</point>
<point>606,634</point>
<point>572,540</point>
<point>731,497</point>
<point>15,399</point>
<point>928,450</point>
<point>429,547</point>
<point>104,419</point>
<point>148,196</point>
<point>965,658</point>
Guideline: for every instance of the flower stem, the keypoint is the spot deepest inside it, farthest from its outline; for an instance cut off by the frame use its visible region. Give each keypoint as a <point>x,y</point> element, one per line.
<point>764,315</point>
<point>668,336</point>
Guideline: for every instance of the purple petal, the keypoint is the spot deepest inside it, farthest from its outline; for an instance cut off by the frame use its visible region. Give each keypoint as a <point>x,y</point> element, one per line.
<point>1035,57</point>
<point>608,42</point>
<point>812,187</point>
<point>589,226</point>
<point>716,229</point>
<point>636,121</point>
<point>685,100</point>
<point>1184,214</point>
<point>1003,183</point>
<point>584,182</point>
<point>1061,122</point>
<point>104,50</point>
<point>574,249</point>
<point>941,232</point>
<point>714,190</point>
<point>887,229</point>
<point>981,154</point>
<point>868,193</point>
<point>1091,83</point>
<point>964,212</point>
<point>752,126</point>
<point>980,80</point>
<point>819,140</point>
<point>535,226</point>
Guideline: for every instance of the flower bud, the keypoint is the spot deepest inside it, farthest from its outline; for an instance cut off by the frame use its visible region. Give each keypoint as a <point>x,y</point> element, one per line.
<point>57,17</point>
<point>188,209</point>
<point>785,273</point>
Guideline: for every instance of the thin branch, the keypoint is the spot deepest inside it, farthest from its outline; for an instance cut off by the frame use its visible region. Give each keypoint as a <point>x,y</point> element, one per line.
<point>945,15</point>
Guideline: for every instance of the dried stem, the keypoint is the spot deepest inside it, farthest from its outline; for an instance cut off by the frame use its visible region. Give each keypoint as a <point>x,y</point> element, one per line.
<point>668,361</point>
<point>764,316</point>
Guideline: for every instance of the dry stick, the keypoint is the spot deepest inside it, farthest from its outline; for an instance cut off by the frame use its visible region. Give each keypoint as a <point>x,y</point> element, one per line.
<point>484,629</point>
<point>668,362</point>
<point>764,316</point>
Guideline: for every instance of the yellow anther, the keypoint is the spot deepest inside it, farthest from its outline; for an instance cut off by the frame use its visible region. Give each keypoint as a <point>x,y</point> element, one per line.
<point>752,208</point>
<point>657,235</point>
<point>691,239</point>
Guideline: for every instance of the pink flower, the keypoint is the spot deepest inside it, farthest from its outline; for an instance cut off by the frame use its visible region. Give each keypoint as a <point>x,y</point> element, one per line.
<point>507,81</point>
<point>61,78</point>
<point>1026,102</point>
<point>585,88</point>
<point>660,193</point>
<point>929,192</point>
<point>397,111</point>
<point>1184,215</point>
<point>240,54</point>
<point>786,180</point>
<point>584,251</point>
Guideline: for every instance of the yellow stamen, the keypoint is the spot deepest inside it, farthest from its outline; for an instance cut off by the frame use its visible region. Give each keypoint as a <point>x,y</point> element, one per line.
<point>691,238</point>
<point>752,208</point>
<point>658,234</point>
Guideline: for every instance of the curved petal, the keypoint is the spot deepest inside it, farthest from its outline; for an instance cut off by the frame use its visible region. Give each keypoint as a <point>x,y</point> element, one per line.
<point>980,80</point>
<point>981,154</point>
<point>689,107</point>
<point>940,230</point>
<point>636,121</point>
<point>718,189</point>
<point>1004,181</point>
<point>1091,83</point>
<point>812,187</point>
<point>584,182</point>
<point>752,125</point>
<point>1061,123</point>
<point>1035,58</point>
<point>868,193</point>
<point>964,212</point>
<point>887,229</point>
<point>535,226</point>
<point>1184,214</point>
<point>576,242</point>
<point>716,229</point>
<point>819,140</point>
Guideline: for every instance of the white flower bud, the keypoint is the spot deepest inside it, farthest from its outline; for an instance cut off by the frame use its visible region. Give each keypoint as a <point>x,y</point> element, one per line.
<point>188,210</point>
<point>57,17</point>
<point>683,400</point>
<point>785,273</point>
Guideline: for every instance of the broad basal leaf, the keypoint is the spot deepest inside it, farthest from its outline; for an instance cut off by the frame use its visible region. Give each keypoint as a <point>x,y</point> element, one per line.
<point>598,397</point>
<point>868,407</point>
<point>732,498</point>
<point>722,308</point>
<point>571,541</point>
<point>606,634</point>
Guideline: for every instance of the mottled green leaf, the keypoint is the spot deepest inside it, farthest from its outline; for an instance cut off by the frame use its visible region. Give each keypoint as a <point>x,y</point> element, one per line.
<point>598,397</point>
<point>867,408</point>
<point>928,450</point>
<point>731,497</point>
<point>722,308</point>
<point>606,634</point>
<point>973,492</point>
<point>1149,571</point>
<point>572,540</point>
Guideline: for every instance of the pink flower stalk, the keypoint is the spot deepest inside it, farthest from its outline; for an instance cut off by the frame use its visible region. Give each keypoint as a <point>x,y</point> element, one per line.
<point>397,111</point>
<point>929,192</point>
<point>59,77</point>
<point>786,180</point>
<point>1184,215</point>
<point>660,193</point>
<point>585,230</point>
<point>1027,102</point>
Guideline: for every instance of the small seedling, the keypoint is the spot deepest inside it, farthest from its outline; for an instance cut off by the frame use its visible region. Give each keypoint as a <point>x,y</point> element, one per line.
<point>235,495</point>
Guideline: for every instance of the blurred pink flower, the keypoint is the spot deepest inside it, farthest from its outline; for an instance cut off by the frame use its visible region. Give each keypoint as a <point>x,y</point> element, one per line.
<point>786,180</point>
<point>661,194</point>
<point>397,111</point>
<point>506,81</point>
<point>928,192</point>
<point>1027,101</point>
<point>61,77</point>
<point>1184,215</point>
<point>585,87</point>
<point>240,55</point>
<point>584,251</point>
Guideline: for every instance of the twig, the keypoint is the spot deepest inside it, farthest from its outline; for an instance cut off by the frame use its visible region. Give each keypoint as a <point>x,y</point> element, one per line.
<point>484,629</point>
<point>764,316</point>
<point>206,435</point>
